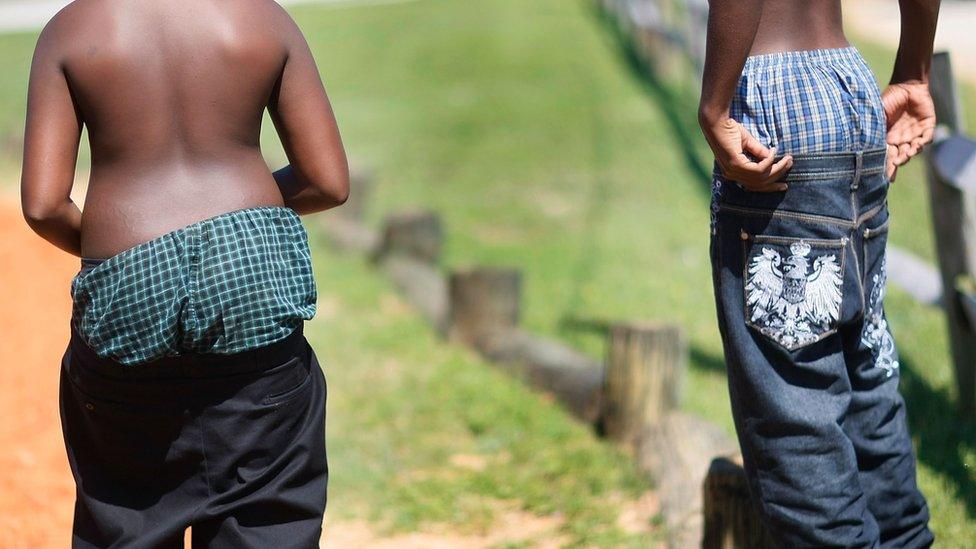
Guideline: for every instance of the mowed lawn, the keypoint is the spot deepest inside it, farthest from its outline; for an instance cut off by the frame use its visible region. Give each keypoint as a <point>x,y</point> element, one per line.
<point>523,124</point>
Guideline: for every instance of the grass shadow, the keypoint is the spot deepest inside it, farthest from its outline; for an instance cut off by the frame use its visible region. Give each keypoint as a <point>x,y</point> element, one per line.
<point>703,360</point>
<point>942,433</point>
<point>677,102</point>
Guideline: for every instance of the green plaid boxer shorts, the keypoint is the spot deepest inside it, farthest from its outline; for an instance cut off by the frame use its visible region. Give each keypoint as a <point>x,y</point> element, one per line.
<point>226,284</point>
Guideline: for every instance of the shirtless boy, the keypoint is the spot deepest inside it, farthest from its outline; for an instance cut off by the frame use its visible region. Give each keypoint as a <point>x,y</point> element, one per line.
<point>806,146</point>
<point>189,395</point>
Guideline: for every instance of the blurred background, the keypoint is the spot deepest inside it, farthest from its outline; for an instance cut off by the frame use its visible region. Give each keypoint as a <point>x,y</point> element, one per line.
<point>554,137</point>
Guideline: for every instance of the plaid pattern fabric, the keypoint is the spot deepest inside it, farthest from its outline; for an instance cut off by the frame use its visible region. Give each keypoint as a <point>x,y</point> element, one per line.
<point>823,100</point>
<point>229,283</point>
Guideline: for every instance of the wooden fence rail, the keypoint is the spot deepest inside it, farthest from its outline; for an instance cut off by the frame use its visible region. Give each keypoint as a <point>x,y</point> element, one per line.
<point>632,397</point>
<point>951,163</point>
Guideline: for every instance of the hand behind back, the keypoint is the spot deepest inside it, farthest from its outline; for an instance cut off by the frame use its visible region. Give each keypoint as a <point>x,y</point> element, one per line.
<point>732,144</point>
<point>910,114</point>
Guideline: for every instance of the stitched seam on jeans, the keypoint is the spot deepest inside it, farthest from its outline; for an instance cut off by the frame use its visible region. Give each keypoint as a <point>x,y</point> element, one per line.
<point>870,233</point>
<point>813,218</point>
<point>757,212</point>
<point>869,215</point>
<point>785,240</point>
<point>857,266</point>
<point>814,176</point>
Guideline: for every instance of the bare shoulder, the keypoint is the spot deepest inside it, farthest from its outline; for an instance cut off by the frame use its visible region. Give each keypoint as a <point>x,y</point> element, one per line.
<point>62,33</point>
<point>272,16</point>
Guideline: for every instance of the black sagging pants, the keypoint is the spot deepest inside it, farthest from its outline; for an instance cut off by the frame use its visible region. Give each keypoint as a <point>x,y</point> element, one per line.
<point>232,445</point>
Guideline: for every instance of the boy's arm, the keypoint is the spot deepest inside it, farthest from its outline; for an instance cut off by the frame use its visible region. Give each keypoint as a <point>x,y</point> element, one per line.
<point>51,139</point>
<point>908,106</point>
<point>732,26</point>
<point>317,177</point>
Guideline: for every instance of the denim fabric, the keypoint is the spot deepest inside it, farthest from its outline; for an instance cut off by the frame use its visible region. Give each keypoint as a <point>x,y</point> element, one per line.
<point>799,282</point>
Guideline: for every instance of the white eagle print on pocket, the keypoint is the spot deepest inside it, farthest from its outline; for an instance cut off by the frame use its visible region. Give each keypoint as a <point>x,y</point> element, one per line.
<point>788,301</point>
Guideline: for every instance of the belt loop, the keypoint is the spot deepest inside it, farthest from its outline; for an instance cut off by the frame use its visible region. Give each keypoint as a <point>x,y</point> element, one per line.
<point>858,163</point>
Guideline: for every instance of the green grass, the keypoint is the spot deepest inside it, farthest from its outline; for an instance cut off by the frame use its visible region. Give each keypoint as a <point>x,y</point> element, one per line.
<point>402,405</point>
<point>526,127</point>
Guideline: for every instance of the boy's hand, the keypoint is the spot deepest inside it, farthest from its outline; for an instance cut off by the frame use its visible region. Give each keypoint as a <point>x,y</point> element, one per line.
<point>732,143</point>
<point>910,114</point>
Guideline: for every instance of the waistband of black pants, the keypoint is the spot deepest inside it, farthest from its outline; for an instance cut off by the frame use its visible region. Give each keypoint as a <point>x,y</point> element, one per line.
<point>198,365</point>
<point>830,165</point>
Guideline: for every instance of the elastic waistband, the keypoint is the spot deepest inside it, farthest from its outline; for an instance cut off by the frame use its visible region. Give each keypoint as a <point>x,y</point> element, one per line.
<point>824,56</point>
<point>192,365</point>
<point>839,165</point>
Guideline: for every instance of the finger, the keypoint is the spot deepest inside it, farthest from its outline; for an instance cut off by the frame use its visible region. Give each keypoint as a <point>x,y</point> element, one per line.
<point>928,134</point>
<point>766,163</point>
<point>904,153</point>
<point>912,148</point>
<point>753,171</point>
<point>779,169</point>
<point>752,145</point>
<point>769,182</point>
<point>918,144</point>
<point>890,161</point>
<point>896,153</point>
<point>893,154</point>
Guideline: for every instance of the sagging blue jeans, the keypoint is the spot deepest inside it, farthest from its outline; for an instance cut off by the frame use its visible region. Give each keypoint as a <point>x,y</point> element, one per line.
<point>799,281</point>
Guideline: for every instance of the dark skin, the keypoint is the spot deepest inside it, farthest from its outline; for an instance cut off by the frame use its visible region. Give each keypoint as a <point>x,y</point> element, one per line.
<point>172,94</point>
<point>739,28</point>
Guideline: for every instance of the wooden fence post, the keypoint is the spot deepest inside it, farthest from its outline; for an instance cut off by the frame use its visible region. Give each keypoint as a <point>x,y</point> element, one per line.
<point>413,234</point>
<point>695,30</point>
<point>483,301</point>
<point>952,197</point>
<point>643,380</point>
<point>731,520</point>
<point>942,86</point>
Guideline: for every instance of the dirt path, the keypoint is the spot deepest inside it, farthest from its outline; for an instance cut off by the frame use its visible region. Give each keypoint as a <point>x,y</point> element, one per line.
<point>36,490</point>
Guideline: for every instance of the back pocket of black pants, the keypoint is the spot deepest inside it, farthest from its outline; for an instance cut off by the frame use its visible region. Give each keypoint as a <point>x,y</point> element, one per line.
<point>290,381</point>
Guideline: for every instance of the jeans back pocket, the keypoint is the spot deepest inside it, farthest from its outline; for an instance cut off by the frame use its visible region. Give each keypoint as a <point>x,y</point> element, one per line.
<point>793,287</point>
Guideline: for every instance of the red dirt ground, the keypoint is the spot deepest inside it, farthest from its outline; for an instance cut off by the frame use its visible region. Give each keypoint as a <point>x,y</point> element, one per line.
<point>36,489</point>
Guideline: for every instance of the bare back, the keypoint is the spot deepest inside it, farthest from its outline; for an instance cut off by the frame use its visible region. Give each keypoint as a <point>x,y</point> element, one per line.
<point>789,25</point>
<point>173,94</point>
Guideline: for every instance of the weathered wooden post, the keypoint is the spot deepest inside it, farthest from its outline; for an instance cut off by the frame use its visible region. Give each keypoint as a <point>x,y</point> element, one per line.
<point>643,379</point>
<point>408,252</point>
<point>482,301</point>
<point>952,193</point>
<point>415,234</point>
<point>695,30</point>
<point>942,86</point>
<point>731,520</point>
